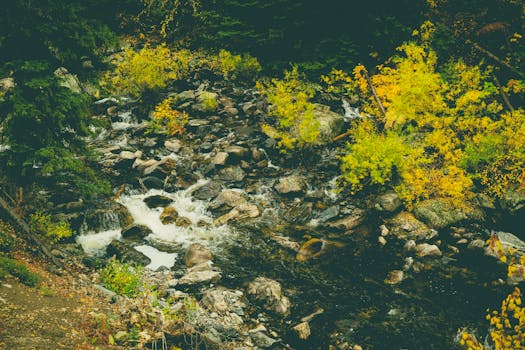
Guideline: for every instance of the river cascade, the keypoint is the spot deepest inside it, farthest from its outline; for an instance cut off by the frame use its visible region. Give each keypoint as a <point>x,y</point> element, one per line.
<point>277,255</point>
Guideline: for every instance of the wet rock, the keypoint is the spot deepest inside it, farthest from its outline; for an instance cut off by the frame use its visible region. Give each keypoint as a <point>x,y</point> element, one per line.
<point>197,254</point>
<point>269,292</point>
<point>232,174</point>
<point>227,200</point>
<point>349,222</point>
<point>477,244</point>
<point>208,191</point>
<point>290,185</point>
<point>389,202</point>
<point>127,155</point>
<point>262,340</point>
<point>328,213</point>
<point>68,80</point>
<point>182,221</point>
<point>157,201</point>
<point>169,215</point>
<point>124,252</point>
<point>425,249</point>
<point>303,330</point>
<point>312,248</point>
<point>136,232</point>
<point>220,158</point>
<point>153,182</point>
<point>330,123</point>
<point>285,242</point>
<point>242,211</point>
<point>439,213</point>
<point>206,147</point>
<point>173,145</point>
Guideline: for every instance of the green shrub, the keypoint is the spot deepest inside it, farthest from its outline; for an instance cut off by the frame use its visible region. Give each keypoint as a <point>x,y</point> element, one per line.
<point>149,69</point>
<point>18,270</point>
<point>122,278</point>
<point>55,230</point>
<point>296,125</point>
<point>7,242</point>
<point>237,67</point>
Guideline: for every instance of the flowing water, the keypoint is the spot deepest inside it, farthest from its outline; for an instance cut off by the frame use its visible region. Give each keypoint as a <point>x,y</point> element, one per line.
<point>423,312</point>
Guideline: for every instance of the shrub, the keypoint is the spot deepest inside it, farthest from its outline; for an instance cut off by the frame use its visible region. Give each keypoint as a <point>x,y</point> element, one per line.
<point>149,69</point>
<point>167,119</point>
<point>122,278</point>
<point>7,242</point>
<point>289,100</point>
<point>237,67</point>
<point>55,230</point>
<point>18,270</point>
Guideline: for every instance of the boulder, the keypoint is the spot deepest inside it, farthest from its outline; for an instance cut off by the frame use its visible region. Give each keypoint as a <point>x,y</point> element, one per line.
<point>157,201</point>
<point>220,158</point>
<point>262,340</point>
<point>405,226</point>
<point>169,215</point>
<point>228,199</point>
<point>349,222</point>
<point>330,123</point>
<point>68,80</point>
<point>394,277</point>
<point>197,254</point>
<point>136,232</point>
<point>269,292</point>
<point>240,212</point>
<point>186,96</point>
<point>223,301</point>
<point>237,152</point>
<point>208,191</point>
<point>195,277</point>
<point>232,174</point>
<point>290,185</point>
<point>388,202</point>
<point>303,330</point>
<point>173,145</point>
<point>124,252</point>
<point>439,213</point>
<point>207,102</point>
<point>425,249</point>
<point>312,248</point>
<point>183,221</point>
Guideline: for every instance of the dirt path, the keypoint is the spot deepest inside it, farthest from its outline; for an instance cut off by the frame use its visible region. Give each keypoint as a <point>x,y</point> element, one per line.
<point>54,315</point>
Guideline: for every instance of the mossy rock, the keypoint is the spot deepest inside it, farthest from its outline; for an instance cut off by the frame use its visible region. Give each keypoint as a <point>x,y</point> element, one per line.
<point>440,213</point>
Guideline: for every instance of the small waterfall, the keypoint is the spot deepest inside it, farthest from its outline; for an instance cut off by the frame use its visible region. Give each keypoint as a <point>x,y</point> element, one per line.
<point>126,121</point>
<point>157,257</point>
<point>350,112</point>
<point>201,229</point>
<point>99,221</point>
<point>96,243</point>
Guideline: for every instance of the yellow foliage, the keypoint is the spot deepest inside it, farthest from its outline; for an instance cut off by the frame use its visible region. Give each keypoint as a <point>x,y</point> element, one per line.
<point>339,82</point>
<point>54,230</point>
<point>149,69</point>
<point>290,103</point>
<point>234,67</point>
<point>169,119</point>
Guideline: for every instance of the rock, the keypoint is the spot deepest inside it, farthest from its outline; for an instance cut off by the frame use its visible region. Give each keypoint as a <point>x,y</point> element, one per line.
<point>136,232</point>
<point>269,292</point>
<point>195,123</point>
<point>220,158</point>
<point>127,155</point>
<point>231,111</point>
<point>208,191</point>
<point>262,340</point>
<point>153,182</point>
<point>312,248</point>
<point>197,254</point>
<point>394,277</point>
<point>68,80</point>
<point>405,227</point>
<point>173,145</point>
<point>186,96</point>
<point>302,330</point>
<point>381,240</point>
<point>199,277</point>
<point>249,107</point>
<point>477,244</point>
<point>183,221</point>
<point>425,249</point>
<point>285,242</point>
<point>439,213</point>
<point>223,301</point>
<point>349,222</point>
<point>124,252</point>
<point>240,212</point>
<point>206,147</point>
<point>232,174</point>
<point>510,244</point>
<point>513,200</point>
<point>157,201</point>
<point>328,213</point>
<point>169,215</point>
<point>237,152</point>
<point>330,123</point>
<point>207,102</point>
<point>290,185</point>
<point>410,245</point>
<point>227,200</point>
<point>389,202</point>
